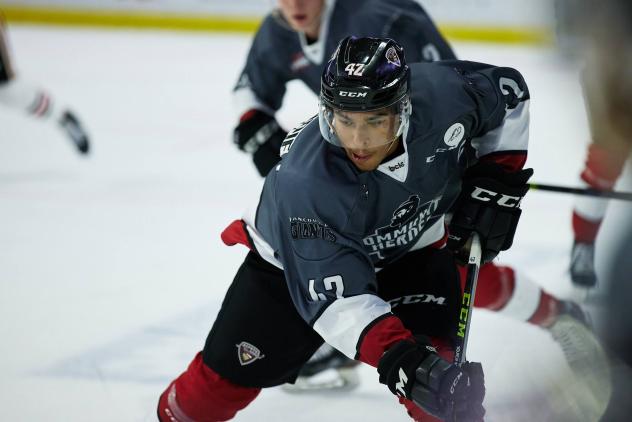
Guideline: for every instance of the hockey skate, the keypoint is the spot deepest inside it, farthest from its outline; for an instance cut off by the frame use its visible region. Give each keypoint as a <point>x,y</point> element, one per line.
<point>582,266</point>
<point>70,124</point>
<point>584,355</point>
<point>326,370</point>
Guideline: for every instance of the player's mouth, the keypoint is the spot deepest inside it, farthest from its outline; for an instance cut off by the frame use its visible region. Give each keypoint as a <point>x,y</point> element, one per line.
<point>360,157</point>
<point>300,19</point>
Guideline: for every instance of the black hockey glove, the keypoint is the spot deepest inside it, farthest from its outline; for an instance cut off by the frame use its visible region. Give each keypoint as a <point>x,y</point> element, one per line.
<point>412,369</point>
<point>261,136</point>
<point>489,204</point>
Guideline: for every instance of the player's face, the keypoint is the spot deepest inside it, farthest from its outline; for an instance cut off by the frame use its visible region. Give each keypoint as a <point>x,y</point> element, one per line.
<point>302,15</point>
<point>367,137</point>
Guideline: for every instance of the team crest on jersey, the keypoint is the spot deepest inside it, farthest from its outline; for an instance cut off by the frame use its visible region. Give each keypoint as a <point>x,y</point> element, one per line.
<point>405,212</point>
<point>407,224</point>
<point>247,353</point>
<point>392,57</point>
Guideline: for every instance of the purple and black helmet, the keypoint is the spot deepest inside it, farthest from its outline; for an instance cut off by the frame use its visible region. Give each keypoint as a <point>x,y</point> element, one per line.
<point>363,75</point>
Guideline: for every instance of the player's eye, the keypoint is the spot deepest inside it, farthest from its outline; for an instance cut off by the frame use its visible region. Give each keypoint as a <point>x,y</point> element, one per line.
<point>345,122</point>
<point>376,123</point>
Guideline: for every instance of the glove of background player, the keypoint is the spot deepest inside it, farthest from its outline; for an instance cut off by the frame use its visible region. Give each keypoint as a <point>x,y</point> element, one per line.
<point>259,134</point>
<point>489,205</point>
<point>412,369</point>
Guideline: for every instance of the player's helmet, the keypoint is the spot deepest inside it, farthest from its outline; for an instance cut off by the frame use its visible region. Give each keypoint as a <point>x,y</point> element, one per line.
<point>365,74</point>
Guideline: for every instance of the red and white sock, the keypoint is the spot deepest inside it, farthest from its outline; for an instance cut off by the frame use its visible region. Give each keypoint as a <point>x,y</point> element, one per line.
<point>22,96</point>
<point>201,395</point>
<point>501,289</point>
<point>603,168</point>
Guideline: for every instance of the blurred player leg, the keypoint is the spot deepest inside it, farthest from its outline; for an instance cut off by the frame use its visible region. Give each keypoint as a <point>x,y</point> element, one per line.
<point>6,71</point>
<point>602,169</point>
<point>605,160</point>
<point>509,293</point>
<point>19,95</point>
<point>512,294</point>
<point>608,86</point>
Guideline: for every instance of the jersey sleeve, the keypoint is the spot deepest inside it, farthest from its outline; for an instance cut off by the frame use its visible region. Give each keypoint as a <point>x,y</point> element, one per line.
<point>501,131</point>
<point>262,82</point>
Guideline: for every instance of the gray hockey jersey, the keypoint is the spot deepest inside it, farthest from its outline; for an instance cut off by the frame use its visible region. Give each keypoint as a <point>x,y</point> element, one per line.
<point>278,54</point>
<point>330,226</point>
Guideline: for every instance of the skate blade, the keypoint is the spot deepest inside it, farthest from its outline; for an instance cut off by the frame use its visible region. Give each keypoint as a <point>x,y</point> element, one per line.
<point>341,379</point>
<point>589,364</point>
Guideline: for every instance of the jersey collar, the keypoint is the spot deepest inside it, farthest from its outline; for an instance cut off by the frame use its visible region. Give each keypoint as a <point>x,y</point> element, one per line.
<point>315,52</point>
<point>397,167</point>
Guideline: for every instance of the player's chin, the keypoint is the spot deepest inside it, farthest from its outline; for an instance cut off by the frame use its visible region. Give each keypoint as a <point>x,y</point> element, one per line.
<point>299,22</point>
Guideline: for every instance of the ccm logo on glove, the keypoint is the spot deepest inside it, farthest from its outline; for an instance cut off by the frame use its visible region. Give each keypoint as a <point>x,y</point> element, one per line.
<point>486,195</point>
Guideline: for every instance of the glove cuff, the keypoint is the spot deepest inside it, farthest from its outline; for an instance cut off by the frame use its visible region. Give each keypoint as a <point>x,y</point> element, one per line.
<point>397,367</point>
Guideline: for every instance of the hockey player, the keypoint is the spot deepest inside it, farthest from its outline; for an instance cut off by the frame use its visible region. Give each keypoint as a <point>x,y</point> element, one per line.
<point>348,238</point>
<point>607,82</point>
<point>605,159</point>
<point>291,44</point>
<point>294,42</point>
<point>17,94</point>
<point>607,153</point>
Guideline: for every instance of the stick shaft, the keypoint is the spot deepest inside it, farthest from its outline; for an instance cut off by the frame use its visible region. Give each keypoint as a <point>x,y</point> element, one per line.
<point>467,300</point>
<point>624,196</point>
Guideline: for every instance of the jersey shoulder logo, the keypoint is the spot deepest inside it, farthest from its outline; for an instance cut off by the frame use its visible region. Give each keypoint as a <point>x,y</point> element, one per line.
<point>454,135</point>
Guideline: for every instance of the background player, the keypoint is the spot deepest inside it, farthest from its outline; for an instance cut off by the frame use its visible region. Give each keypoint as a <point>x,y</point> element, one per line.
<point>605,159</point>
<point>19,95</point>
<point>295,41</point>
<point>607,49</point>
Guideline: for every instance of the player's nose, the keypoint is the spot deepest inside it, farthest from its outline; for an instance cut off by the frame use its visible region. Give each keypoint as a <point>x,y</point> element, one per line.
<point>359,139</point>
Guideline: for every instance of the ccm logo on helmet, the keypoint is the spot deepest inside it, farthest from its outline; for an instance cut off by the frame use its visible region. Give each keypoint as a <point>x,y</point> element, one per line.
<point>351,94</point>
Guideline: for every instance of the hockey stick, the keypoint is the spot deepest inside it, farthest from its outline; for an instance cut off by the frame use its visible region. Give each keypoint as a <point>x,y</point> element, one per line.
<point>624,196</point>
<point>467,301</point>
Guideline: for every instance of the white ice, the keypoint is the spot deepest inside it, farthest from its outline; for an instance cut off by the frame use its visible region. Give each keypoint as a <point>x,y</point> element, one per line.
<point>111,267</point>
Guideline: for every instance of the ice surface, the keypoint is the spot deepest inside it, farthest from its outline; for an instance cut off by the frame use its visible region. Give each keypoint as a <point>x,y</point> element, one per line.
<point>111,267</point>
